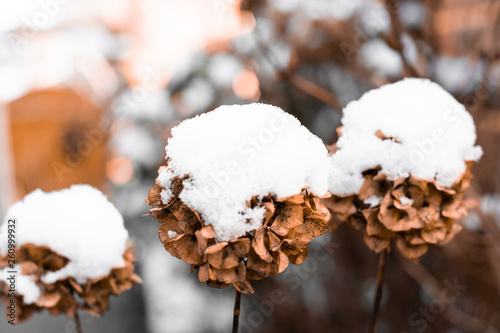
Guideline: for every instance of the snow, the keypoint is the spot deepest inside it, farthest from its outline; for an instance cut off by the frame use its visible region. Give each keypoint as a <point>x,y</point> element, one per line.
<point>413,13</point>
<point>171,233</point>
<point>373,201</point>
<point>435,135</point>
<point>222,68</point>
<point>24,284</point>
<point>138,144</point>
<point>406,201</point>
<point>198,96</point>
<point>458,74</point>
<point>78,223</point>
<point>236,152</point>
<point>166,195</point>
<point>375,18</point>
<point>320,9</point>
<point>378,56</point>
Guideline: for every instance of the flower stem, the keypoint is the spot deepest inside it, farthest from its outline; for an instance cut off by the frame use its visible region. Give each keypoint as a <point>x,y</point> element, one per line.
<point>77,322</point>
<point>378,291</point>
<point>236,314</point>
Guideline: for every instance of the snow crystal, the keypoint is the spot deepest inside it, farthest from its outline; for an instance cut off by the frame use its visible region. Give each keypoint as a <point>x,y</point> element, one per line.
<point>434,135</point>
<point>406,201</point>
<point>24,284</point>
<point>78,223</point>
<point>236,152</point>
<point>166,195</point>
<point>171,233</point>
<point>373,201</point>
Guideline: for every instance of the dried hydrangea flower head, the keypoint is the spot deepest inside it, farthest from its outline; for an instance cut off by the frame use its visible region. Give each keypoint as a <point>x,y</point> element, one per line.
<point>70,242</point>
<point>401,165</point>
<point>239,196</point>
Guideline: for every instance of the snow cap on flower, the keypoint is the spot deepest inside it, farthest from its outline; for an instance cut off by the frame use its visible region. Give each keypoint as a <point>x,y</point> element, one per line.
<point>237,152</point>
<point>401,165</point>
<point>68,242</point>
<point>78,223</point>
<point>409,127</point>
<point>239,196</point>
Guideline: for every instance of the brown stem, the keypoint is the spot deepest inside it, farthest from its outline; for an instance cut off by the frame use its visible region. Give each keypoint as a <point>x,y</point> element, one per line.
<point>378,291</point>
<point>236,315</point>
<point>397,29</point>
<point>314,90</point>
<point>77,322</point>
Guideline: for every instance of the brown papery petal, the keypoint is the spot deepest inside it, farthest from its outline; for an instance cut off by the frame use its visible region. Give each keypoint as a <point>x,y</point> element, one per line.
<point>270,209</point>
<point>154,196</point>
<point>186,248</point>
<point>371,188</point>
<point>412,252</point>
<point>240,246</point>
<point>289,216</point>
<point>280,263</point>
<point>374,227</point>
<point>243,287</point>
<point>48,300</point>
<point>433,235</point>
<point>259,246</point>
<point>376,244</point>
<point>221,257</point>
<point>295,199</point>
<point>454,210</point>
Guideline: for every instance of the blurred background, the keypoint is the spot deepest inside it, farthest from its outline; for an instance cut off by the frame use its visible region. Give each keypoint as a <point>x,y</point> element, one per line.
<point>89,91</point>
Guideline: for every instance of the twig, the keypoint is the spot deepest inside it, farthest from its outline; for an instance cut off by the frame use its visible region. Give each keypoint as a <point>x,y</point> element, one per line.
<point>299,82</point>
<point>397,29</point>
<point>312,89</point>
<point>378,291</point>
<point>236,313</point>
<point>434,289</point>
<point>77,322</point>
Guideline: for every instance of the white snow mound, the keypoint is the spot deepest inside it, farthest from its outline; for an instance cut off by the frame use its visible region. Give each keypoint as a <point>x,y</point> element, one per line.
<point>78,223</point>
<point>236,152</point>
<point>24,285</point>
<point>434,135</point>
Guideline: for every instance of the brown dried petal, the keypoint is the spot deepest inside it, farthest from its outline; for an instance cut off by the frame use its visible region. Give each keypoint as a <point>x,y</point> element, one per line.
<point>373,225</point>
<point>185,248</point>
<point>290,216</point>
<point>280,262</point>
<point>456,228</point>
<point>412,252</point>
<point>270,209</point>
<point>433,235</point>
<point>371,188</point>
<point>154,196</point>
<point>257,268</point>
<point>259,245</point>
<point>295,199</point>
<point>274,241</point>
<point>376,244</point>
<point>221,256</point>
<point>454,210</point>
<point>342,207</point>
<point>243,287</point>
<point>240,246</point>
<point>48,300</point>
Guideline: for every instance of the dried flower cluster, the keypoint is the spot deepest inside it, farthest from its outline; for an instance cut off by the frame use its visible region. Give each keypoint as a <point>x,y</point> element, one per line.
<point>289,224</point>
<point>415,212</point>
<point>60,297</point>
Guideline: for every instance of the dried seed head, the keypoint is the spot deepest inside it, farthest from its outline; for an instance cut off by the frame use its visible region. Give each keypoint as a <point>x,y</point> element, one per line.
<point>60,297</point>
<point>414,211</point>
<point>289,224</point>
